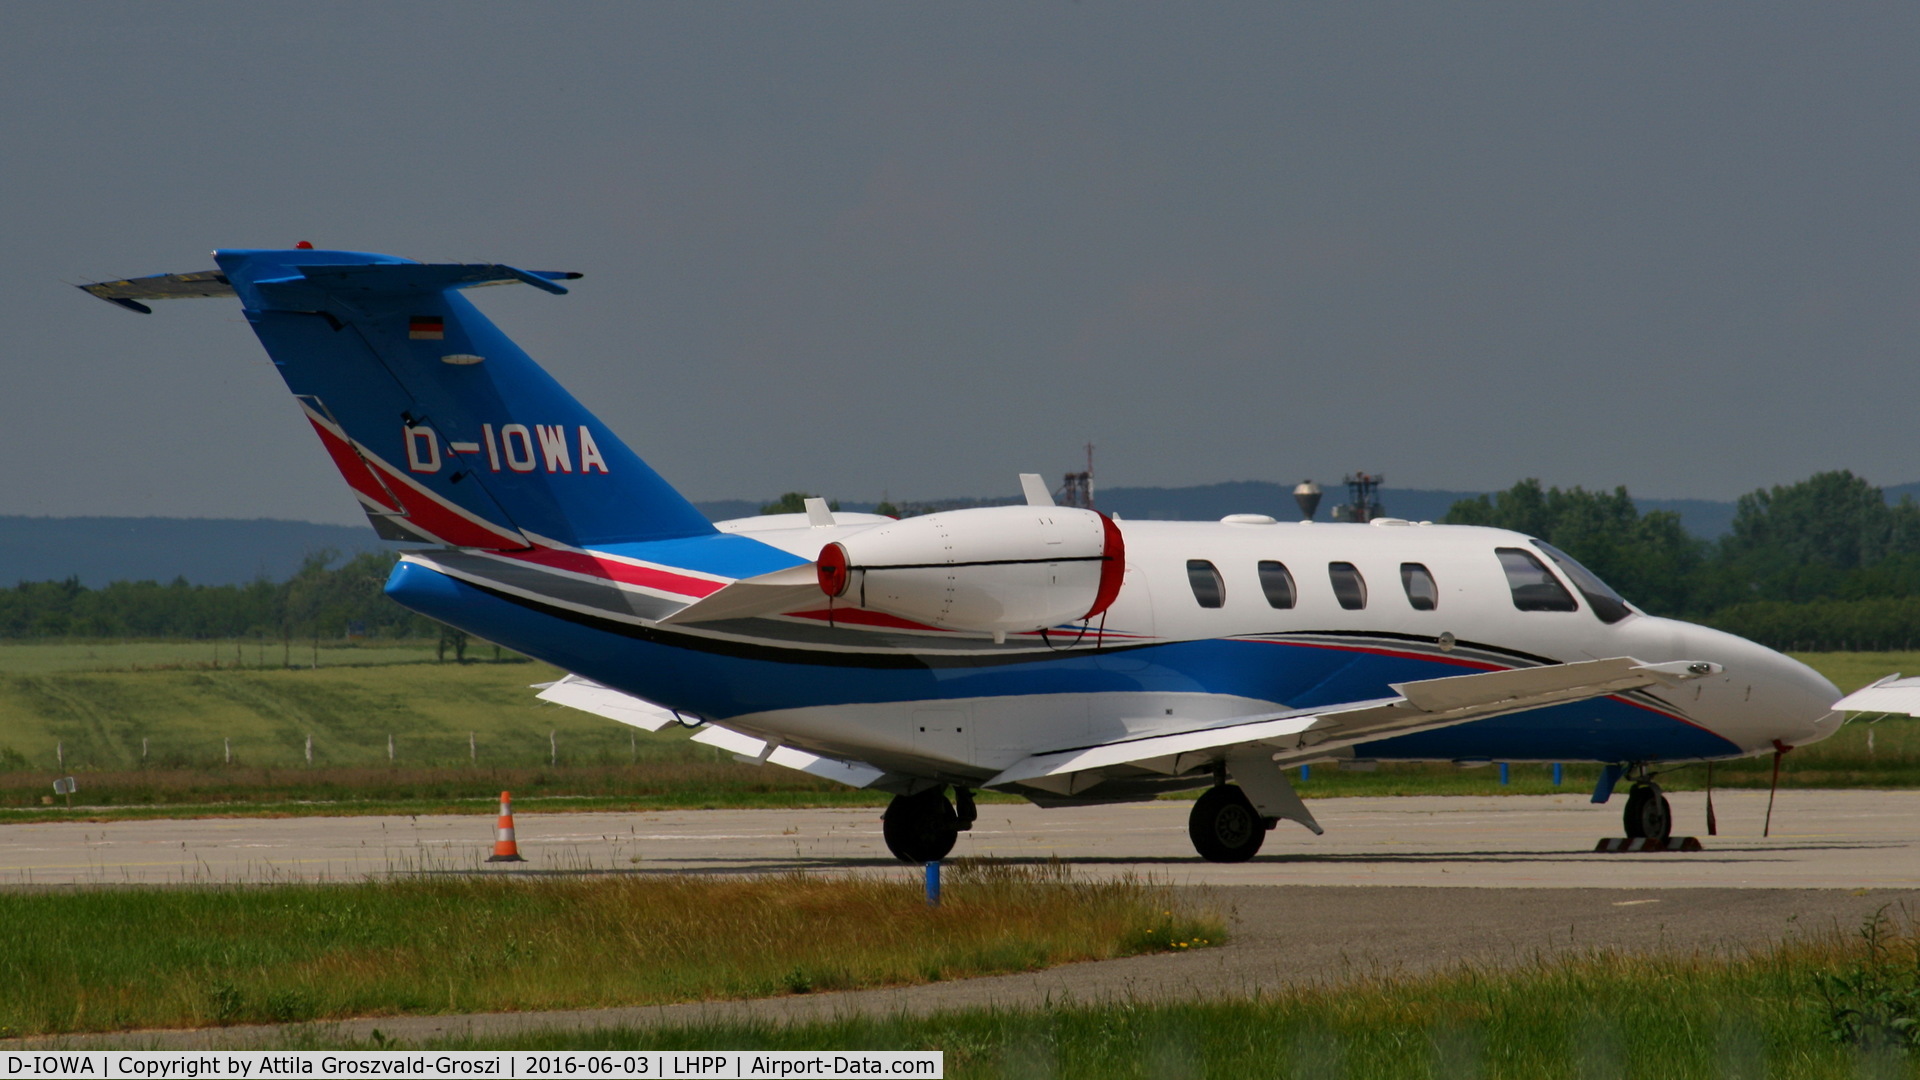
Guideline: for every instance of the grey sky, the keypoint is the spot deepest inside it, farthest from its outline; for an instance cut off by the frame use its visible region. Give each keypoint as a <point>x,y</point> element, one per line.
<point>920,248</point>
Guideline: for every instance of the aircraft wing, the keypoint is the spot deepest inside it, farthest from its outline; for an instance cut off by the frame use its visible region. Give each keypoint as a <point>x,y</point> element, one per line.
<point>1892,694</point>
<point>579,692</point>
<point>1303,733</point>
<point>757,751</point>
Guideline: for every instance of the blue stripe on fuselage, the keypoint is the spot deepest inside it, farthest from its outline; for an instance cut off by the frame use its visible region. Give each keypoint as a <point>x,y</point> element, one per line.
<point>707,682</point>
<point>721,554</point>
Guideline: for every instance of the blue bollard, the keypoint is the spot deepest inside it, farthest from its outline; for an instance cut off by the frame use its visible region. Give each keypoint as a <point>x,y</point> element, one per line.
<point>1303,772</point>
<point>1556,774</point>
<point>1503,774</point>
<point>933,883</point>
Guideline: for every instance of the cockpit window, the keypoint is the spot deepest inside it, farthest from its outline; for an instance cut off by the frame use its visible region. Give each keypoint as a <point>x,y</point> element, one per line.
<point>1604,601</point>
<point>1534,586</point>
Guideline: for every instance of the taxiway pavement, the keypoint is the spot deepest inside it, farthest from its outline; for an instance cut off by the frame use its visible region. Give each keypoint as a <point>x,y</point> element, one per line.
<point>1821,840</point>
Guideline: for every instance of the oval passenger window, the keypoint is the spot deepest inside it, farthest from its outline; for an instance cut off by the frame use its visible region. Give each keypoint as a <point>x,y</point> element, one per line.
<point>1208,588</point>
<point>1277,583</point>
<point>1422,593</point>
<point>1348,586</point>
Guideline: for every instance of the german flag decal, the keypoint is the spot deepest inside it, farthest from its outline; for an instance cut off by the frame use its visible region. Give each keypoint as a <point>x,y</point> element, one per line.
<point>427,328</point>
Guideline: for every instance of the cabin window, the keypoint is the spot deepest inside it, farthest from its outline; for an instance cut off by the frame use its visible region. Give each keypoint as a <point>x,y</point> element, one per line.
<point>1422,593</point>
<point>1534,586</point>
<point>1604,601</point>
<point>1277,583</point>
<point>1208,588</point>
<point>1348,586</point>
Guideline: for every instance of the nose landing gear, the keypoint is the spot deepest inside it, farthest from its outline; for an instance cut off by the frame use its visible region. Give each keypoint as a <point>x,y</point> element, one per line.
<point>1647,813</point>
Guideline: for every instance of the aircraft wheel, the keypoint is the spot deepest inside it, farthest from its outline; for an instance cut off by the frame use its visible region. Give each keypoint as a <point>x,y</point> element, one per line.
<point>1647,814</point>
<point>920,828</point>
<point>1224,826</point>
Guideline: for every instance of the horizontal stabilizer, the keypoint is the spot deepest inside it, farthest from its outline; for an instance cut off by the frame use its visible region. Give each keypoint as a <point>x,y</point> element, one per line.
<point>421,278</point>
<point>128,292</point>
<point>393,279</point>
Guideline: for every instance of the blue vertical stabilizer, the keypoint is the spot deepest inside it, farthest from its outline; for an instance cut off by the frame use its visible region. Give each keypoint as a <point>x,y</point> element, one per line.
<point>444,428</point>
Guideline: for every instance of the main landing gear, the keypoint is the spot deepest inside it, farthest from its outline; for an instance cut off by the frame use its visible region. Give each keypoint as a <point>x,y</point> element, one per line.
<point>1225,827</point>
<point>922,827</point>
<point>1647,814</point>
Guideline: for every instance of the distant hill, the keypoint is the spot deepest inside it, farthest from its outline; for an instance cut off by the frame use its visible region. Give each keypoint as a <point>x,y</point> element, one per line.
<point>224,551</point>
<point>205,551</point>
<point>1704,518</point>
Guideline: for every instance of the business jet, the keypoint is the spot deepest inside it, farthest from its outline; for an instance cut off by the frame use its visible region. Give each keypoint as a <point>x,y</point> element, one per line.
<point>1052,652</point>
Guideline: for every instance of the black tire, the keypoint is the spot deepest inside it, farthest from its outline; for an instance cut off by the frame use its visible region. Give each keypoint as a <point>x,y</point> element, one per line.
<point>920,828</point>
<point>1225,827</point>
<point>1647,814</point>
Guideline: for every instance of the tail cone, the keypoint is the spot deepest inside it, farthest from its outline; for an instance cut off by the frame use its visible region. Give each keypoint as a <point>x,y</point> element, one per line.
<point>504,847</point>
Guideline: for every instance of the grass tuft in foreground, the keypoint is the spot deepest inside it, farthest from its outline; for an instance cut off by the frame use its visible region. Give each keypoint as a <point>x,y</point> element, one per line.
<point>1705,1016</point>
<point>112,959</point>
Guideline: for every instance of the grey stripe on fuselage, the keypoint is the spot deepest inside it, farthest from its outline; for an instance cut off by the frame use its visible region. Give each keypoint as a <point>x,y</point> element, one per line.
<point>540,582</point>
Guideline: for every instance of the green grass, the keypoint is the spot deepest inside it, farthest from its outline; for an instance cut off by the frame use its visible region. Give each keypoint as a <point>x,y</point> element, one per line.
<point>1662,1016</point>
<point>45,658</point>
<point>175,718</point>
<point>115,959</point>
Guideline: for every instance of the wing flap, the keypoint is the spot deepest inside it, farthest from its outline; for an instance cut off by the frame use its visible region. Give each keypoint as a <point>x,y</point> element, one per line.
<point>757,751</point>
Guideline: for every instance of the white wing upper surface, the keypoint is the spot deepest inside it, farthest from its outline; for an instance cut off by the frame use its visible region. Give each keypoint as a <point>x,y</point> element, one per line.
<point>1421,706</point>
<point>1892,694</point>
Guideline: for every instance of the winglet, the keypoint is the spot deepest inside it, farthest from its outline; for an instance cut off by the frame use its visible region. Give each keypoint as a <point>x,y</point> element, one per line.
<point>1035,489</point>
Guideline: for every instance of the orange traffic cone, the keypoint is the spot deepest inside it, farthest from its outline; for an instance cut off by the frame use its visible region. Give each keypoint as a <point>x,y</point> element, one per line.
<point>504,848</point>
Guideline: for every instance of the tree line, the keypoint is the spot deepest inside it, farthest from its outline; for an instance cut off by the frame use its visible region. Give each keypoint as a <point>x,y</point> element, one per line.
<point>1826,563</point>
<point>320,600</point>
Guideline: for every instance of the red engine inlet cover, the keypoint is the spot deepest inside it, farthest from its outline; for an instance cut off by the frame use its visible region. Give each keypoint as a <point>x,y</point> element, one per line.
<point>1113,567</point>
<point>832,568</point>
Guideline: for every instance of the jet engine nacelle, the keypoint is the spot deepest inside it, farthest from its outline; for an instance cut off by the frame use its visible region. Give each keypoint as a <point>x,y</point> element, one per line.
<point>1004,569</point>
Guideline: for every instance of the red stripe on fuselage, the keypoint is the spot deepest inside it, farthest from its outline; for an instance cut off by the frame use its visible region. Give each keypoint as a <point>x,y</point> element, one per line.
<point>1484,666</point>
<point>853,616</point>
<point>648,577</point>
<point>1400,654</point>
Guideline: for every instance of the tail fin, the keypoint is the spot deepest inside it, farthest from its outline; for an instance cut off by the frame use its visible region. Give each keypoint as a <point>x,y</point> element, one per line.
<point>443,427</point>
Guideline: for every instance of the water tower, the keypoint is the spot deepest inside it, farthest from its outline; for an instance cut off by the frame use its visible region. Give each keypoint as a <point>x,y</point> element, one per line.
<point>1308,496</point>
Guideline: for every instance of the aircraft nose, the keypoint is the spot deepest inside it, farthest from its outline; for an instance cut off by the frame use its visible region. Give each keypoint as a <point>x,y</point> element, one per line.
<point>1776,696</point>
